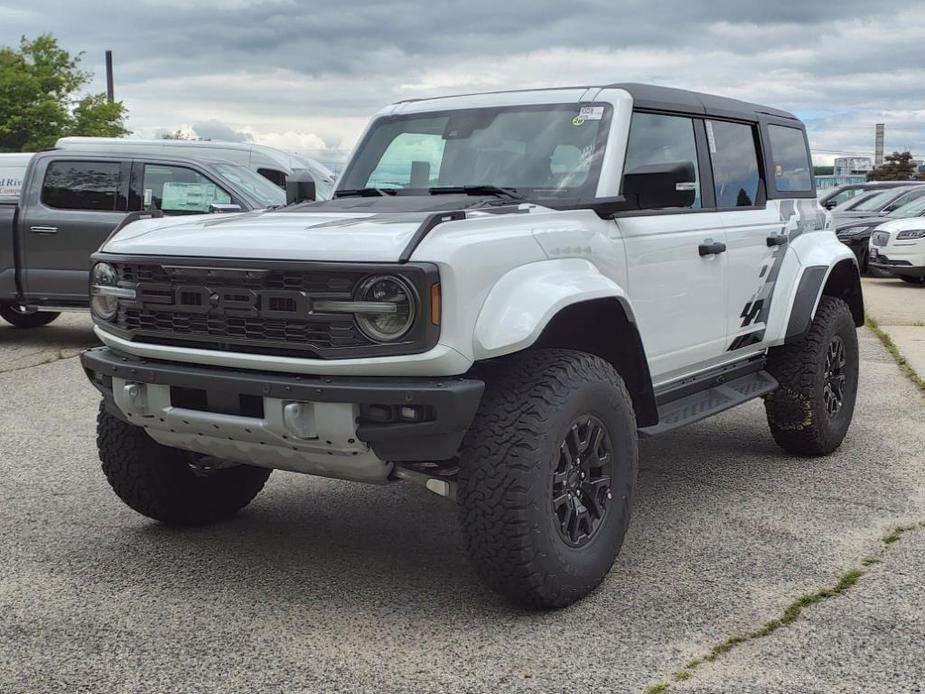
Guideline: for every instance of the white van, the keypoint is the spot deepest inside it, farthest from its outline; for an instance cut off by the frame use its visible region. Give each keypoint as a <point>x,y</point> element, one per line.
<point>12,170</point>
<point>271,163</point>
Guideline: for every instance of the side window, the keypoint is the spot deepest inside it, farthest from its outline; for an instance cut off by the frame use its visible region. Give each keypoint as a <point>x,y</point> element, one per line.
<point>412,160</point>
<point>178,190</point>
<point>735,163</point>
<point>790,159</point>
<point>82,185</point>
<point>655,138</point>
<point>278,177</point>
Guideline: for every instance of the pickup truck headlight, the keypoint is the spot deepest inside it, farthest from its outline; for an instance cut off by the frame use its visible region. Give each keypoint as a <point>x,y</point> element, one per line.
<point>910,234</point>
<point>105,292</point>
<point>385,307</point>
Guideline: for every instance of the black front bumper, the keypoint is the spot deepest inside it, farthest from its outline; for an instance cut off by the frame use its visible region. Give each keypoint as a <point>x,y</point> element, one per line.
<point>448,405</point>
<point>902,268</point>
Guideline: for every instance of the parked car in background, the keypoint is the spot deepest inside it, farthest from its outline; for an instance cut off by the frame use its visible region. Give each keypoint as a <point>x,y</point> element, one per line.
<point>877,204</point>
<point>842,194</point>
<point>898,247</point>
<point>12,169</point>
<point>271,163</point>
<point>71,201</point>
<point>855,232</point>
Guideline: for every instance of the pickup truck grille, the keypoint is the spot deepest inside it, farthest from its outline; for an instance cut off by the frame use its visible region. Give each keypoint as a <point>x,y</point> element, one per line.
<point>225,309</point>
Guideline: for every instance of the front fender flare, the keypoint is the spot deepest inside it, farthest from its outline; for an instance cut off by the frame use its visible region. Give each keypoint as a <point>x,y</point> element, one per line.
<point>524,300</point>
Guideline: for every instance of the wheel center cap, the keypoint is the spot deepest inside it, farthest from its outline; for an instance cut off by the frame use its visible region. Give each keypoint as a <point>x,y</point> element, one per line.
<point>574,479</point>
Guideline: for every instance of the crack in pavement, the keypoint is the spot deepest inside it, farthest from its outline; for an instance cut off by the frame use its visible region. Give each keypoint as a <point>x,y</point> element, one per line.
<point>60,356</point>
<point>791,612</point>
<point>770,493</point>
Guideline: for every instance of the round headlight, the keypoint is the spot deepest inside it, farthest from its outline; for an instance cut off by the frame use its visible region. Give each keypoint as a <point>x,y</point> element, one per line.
<point>103,305</point>
<point>389,309</point>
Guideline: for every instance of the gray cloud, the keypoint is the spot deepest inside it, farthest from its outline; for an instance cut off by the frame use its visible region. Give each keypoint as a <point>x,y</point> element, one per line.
<point>309,74</point>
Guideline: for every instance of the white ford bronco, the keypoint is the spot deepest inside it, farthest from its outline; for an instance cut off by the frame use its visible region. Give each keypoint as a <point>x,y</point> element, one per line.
<point>506,291</point>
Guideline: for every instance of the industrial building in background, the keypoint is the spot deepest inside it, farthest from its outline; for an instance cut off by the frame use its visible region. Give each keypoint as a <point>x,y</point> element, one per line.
<point>852,166</point>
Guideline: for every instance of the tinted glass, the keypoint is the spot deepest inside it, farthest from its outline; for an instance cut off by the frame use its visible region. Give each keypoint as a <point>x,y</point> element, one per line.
<point>905,199</point>
<point>655,139</point>
<point>916,208</point>
<point>873,203</point>
<point>845,195</point>
<point>790,159</point>
<point>82,185</point>
<point>178,190</point>
<point>278,177</point>
<point>735,163</point>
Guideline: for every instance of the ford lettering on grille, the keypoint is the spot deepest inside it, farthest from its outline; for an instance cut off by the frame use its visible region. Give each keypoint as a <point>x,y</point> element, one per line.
<point>226,301</point>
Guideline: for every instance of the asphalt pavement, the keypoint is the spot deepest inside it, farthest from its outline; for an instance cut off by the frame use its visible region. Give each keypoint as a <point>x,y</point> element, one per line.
<point>326,586</point>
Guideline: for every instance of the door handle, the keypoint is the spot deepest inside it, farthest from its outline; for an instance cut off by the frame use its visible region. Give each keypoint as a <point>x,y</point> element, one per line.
<point>710,247</point>
<point>777,240</point>
<point>44,230</point>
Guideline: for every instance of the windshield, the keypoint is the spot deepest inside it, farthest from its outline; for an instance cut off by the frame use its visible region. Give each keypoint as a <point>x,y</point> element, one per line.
<point>874,203</point>
<point>264,192</point>
<point>550,151</point>
<point>916,208</point>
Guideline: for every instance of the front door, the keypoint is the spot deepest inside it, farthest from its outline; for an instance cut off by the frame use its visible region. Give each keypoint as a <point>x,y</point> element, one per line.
<point>78,205</point>
<point>675,259</point>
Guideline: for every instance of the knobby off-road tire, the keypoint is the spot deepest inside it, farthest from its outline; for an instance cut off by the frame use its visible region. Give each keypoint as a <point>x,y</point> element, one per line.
<point>26,320</point>
<point>811,411</point>
<point>511,479</point>
<point>159,482</point>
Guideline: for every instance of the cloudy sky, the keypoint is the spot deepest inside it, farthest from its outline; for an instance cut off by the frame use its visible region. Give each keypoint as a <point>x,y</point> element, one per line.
<point>307,75</point>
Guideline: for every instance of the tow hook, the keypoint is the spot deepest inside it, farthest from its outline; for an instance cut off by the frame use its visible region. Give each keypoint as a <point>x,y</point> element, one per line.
<point>432,482</point>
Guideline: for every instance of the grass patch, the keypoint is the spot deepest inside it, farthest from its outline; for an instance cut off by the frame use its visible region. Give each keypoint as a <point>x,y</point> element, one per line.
<point>790,614</point>
<point>891,347</point>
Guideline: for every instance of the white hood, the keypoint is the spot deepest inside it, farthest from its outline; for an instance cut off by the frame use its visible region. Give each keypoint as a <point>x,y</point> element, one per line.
<point>338,236</point>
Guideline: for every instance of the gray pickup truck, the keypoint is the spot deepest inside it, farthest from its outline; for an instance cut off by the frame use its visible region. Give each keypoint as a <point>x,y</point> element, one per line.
<point>72,201</point>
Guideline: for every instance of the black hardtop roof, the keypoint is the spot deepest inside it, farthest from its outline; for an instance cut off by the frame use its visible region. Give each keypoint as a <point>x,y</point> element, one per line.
<point>655,97</point>
<point>650,96</point>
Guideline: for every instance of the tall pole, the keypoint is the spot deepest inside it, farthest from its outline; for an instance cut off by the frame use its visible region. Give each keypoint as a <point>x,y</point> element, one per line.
<point>878,144</point>
<point>110,95</point>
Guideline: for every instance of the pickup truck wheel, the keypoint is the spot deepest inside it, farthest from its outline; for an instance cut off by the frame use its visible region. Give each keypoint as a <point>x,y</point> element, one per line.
<point>165,483</point>
<point>811,411</point>
<point>546,476</point>
<point>14,315</point>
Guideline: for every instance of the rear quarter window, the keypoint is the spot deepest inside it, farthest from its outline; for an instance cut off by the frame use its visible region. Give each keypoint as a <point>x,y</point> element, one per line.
<point>790,160</point>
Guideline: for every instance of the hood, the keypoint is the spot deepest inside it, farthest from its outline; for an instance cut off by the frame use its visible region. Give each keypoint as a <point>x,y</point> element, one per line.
<point>843,223</point>
<point>349,229</point>
<point>341,236</point>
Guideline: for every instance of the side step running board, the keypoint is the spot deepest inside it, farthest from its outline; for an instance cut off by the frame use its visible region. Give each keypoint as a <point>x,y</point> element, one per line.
<point>706,403</point>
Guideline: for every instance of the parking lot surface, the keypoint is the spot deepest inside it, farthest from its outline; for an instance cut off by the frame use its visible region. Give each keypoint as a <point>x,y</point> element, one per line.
<point>324,586</point>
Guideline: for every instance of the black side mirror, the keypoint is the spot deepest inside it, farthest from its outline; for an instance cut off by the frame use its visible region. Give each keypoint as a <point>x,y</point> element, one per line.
<point>665,184</point>
<point>300,187</point>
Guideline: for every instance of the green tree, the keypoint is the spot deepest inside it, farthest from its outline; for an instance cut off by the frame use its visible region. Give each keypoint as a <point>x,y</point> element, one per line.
<point>175,135</point>
<point>39,82</point>
<point>897,167</point>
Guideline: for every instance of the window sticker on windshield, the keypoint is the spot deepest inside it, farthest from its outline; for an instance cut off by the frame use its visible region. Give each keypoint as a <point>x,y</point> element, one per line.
<point>710,138</point>
<point>591,112</point>
<point>148,194</point>
<point>578,121</point>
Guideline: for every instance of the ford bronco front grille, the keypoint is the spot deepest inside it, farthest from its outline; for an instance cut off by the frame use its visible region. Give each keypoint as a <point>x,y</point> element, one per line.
<point>266,308</point>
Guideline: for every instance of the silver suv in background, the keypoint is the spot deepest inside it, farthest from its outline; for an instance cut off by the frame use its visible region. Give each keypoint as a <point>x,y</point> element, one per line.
<point>271,163</point>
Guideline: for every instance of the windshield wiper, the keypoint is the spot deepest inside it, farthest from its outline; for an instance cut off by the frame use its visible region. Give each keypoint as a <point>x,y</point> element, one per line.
<point>498,191</point>
<point>364,192</point>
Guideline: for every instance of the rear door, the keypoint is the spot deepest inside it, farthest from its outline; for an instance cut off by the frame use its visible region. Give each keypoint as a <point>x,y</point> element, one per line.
<point>755,228</point>
<point>677,289</point>
<point>67,214</point>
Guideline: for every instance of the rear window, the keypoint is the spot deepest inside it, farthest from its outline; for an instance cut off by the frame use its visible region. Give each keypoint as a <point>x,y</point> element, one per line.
<point>790,159</point>
<point>82,185</point>
<point>735,163</point>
